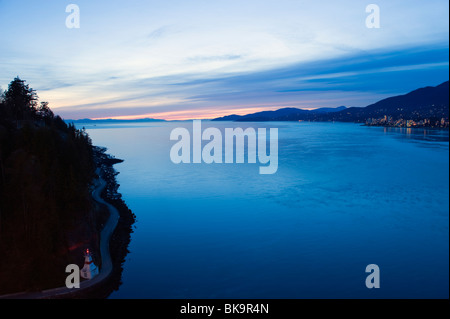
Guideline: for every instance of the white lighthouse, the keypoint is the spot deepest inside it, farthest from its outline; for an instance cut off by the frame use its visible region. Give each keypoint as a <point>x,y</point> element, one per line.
<point>89,270</point>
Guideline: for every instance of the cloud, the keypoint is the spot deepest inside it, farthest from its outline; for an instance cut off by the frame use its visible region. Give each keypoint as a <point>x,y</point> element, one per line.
<point>226,57</point>
<point>158,57</point>
<point>356,80</point>
<point>158,33</point>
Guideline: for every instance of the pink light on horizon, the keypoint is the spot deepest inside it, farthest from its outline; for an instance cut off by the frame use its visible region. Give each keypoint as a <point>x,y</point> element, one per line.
<point>201,114</point>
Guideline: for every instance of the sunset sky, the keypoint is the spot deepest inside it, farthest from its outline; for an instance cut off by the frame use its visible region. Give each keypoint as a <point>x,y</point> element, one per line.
<point>203,59</point>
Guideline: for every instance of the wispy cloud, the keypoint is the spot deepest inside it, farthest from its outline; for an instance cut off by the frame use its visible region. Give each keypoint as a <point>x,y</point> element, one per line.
<point>356,80</point>
<point>153,57</point>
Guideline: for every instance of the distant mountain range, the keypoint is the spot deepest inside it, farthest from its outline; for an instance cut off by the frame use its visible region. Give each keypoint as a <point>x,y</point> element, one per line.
<point>86,121</point>
<point>429,102</point>
<point>285,114</point>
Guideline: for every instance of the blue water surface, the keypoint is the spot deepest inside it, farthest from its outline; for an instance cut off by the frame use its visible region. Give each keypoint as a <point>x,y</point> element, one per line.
<point>344,196</point>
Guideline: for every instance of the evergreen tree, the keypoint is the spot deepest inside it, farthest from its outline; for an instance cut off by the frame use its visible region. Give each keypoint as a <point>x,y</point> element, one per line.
<point>20,100</point>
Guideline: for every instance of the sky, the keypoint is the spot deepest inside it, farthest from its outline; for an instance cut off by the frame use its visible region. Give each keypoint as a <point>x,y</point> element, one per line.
<point>204,59</point>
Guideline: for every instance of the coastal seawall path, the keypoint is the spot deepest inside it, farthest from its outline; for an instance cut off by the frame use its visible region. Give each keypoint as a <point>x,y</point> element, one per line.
<point>107,265</point>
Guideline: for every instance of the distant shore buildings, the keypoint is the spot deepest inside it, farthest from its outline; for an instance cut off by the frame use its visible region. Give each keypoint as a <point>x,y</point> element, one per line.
<point>400,122</point>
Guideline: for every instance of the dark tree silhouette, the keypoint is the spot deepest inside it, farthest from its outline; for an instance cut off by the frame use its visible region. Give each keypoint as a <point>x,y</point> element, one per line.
<point>45,202</point>
<point>47,214</point>
<point>2,105</point>
<point>44,113</point>
<point>20,100</point>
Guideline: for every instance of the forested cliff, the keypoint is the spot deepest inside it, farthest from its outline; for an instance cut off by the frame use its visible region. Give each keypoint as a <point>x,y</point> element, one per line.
<point>46,210</point>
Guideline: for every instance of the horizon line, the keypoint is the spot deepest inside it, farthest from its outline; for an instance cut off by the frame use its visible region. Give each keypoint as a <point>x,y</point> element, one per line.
<point>187,118</point>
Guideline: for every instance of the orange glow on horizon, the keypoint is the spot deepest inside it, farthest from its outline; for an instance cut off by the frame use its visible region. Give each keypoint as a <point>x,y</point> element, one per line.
<point>202,114</point>
<point>190,114</point>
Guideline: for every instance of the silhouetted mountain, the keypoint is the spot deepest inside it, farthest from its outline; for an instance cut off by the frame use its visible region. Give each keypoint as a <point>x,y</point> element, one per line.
<point>429,102</point>
<point>284,114</point>
<point>113,121</point>
<point>329,109</point>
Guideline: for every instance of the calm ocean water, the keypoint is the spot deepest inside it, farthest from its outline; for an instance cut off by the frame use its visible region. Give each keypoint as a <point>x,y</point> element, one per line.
<point>345,196</point>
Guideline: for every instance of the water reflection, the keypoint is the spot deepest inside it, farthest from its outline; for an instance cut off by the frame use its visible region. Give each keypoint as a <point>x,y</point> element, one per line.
<point>344,195</point>
<point>420,134</point>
